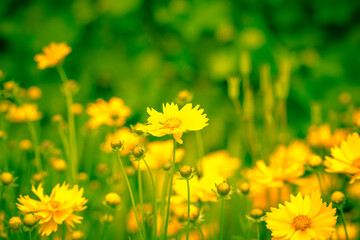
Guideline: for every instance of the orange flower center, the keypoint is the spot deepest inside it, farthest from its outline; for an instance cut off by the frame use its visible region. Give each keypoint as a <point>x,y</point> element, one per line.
<point>356,162</point>
<point>172,123</point>
<point>301,222</point>
<point>54,204</point>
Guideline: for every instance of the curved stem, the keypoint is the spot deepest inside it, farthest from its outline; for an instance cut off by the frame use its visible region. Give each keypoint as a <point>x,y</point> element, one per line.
<point>188,210</point>
<point>170,187</point>
<point>131,195</point>
<point>155,201</point>
<point>343,220</point>
<point>71,121</point>
<point>221,218</point>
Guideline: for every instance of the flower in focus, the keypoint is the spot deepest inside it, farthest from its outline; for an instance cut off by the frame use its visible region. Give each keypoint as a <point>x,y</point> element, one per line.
<point>346,158</point>
<point>302,218</point>
<point>126,136</point>
<point>19,114</point>
<point>112,113</point>
<point>52,55</point>
<point>158,153</point>
<point>174,121</point>
<point>286,165</point>
<point>58,208</point>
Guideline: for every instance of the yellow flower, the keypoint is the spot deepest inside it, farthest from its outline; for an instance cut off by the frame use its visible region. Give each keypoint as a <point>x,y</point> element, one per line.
<point>219,164</point>
<point>58,208</point>
<point>27,112</point>
<point>158,153</point>
<point>34,93</point>
<point>174,121</point>
<point>346,158</point>
<point>123,134</point>
<point>302,218</point>
<point>112,113</point>
<point>286,165</point>
<point>52,55</point>
<point>356,117</point>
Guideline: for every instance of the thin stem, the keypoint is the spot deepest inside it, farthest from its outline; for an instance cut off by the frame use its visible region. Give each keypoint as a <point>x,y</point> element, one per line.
<point>29,233</point>
<point>222,219</point>
<point>71,121</point>
<point>141,197</point>
<point>188,210</point>
<point>200,146</point>
<point>36,146</point>
<point>258,230</point>
<point>163,199</point>
<point>343,220</point>
<point>201,233</point>
<point>66,148</point>
<point>131,195</point>
<point>155,201</point>
<point>169,192</point>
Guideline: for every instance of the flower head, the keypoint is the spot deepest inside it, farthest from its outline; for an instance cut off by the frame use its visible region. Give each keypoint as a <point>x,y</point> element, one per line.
<point>173,121</point>
<point>112,113</point>
<point>52,55</point>
<point>346,158</point>
<point>58,208</point>
<point>302,218</point>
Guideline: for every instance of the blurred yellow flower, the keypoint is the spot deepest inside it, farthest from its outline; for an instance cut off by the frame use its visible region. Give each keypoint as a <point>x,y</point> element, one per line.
<point>346,158</point>
<point>34,93</point>
<point>174,121</point>
<point>123,134</point>
<point>112,113</point>
<point>352,231</point>
<point>302,218</point>
<point>321,136</point>
<point>131,224</point>
<point>52,55</point>
<point>356,118</point>
<point>77,108</point>
<point>158,153</point>
<point>27,112</point>
<point>286,165</point>
<point>219,164</point>
<point>58,208</point>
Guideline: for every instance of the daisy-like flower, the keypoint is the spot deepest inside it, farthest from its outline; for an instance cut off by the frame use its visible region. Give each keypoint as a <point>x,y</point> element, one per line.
<point>302,219</point>
<point>52,55</point>
<point>24,113</point>
<point>112,113</point>
<point>346,158</point>
<point>56,209</point>
<point>173,121</point>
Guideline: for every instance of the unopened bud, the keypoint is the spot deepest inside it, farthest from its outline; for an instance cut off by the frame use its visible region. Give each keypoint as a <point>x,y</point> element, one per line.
<point>112,199</point>
<point>223,189</point>
<point>116,144</point>
<point>14,223</point>
<point>256,213</point>
<point>30,220</point>
<point>6,178</point>
<point>337,197</point>
<point>186,171</point>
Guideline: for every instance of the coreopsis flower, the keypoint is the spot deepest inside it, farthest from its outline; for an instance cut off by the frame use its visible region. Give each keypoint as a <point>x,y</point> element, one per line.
<point>286,165</point>
<point>52,55</point>
<point>346,158</point>
<point>54,209</point>
<point>158,153</point>
<point>321,136</point>
<point>112,113</point>
<point>219,164</point>
<point>173,121</point>
<point>128,139</point>
<point>19,114</point>
<point>302,218</point>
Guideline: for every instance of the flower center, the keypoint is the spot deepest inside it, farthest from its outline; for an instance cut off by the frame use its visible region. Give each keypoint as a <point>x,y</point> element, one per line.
<point>356,162</point>
<point>172,123</point>
<point>301,222</point>
<point>54,204</point>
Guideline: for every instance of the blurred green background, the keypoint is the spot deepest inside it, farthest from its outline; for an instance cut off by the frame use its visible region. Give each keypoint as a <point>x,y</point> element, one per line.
<point>146,51</point>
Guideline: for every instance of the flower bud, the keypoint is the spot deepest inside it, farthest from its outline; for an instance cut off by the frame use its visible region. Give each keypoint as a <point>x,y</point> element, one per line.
<point>116,144</point>
<point>25,145</point>
<point>6,178</point>
<point>57,118</point>
<point>59,165</point>
<point>256,213</point>
<point>30,220</point>
<point>315,160</point>
<point>34,93</point>
<point>186,171</point>
<point>112,199</point>
<point>107,218</point>
<point>83,176</point>
<point>337,197</point>
<point>37,177</point>
<point>166,166</point>
<point>71,86</point>
<point>14,223</point>
<point>223,189</point>
<point>10,86</point>
<point>130,171</point>
<point>77,108</point>
<point>244,188</point>
<point>138,152</point>
<point>233,87</point>
<point>77,235</point>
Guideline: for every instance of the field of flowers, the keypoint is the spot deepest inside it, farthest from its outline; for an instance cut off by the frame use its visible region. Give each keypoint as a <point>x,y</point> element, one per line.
<point>179,120</point>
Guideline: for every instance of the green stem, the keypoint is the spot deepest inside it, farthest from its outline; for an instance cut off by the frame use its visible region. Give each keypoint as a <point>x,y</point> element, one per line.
<point>163,199</point>
<point>29,233</point>
<point>170,188</point>
<point>221,218</point>
<point>71,121</point>
<point>200,146</point>
<point>131,195</point>
<point>258,230</point>
<point>188,210</point>
<point>201,233</point>
<point>66,148</point>
<point>155,201</point>
<point>141,197</point>
<point>36,146</point>
<point>343,220</point>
